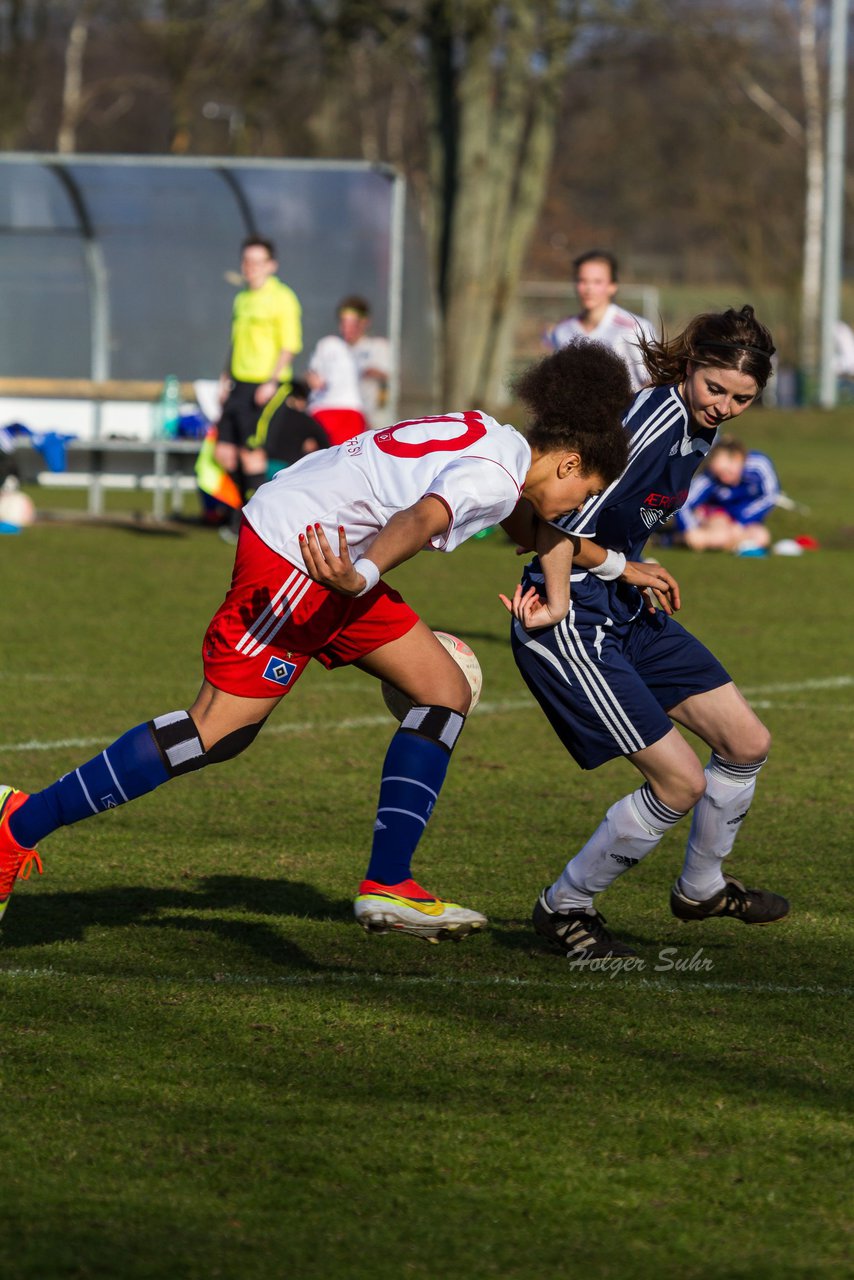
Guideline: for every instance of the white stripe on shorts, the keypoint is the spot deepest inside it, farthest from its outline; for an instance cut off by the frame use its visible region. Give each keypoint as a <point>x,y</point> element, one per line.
<point>599,693</point>
<point>275,624</point>
<point>266,625</point>
<point>263,618</point>
<point>588,677</point>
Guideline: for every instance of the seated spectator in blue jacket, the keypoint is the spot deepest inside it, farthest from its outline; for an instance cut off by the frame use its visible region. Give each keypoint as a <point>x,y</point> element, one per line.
<point>729,500</point>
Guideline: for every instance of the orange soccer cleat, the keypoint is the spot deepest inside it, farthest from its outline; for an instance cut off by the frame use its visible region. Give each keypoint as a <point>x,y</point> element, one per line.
<point>15,860</point>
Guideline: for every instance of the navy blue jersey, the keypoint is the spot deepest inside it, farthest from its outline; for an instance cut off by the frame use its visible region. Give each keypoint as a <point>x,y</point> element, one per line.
<point>665,449</point>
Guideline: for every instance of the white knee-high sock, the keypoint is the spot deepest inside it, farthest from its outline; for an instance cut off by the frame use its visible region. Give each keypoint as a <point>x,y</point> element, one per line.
<point>630,830</point>
<point>718,816</point>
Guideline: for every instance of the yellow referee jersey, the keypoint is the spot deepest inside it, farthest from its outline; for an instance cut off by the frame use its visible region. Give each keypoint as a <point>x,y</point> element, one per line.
<point>265,322</point>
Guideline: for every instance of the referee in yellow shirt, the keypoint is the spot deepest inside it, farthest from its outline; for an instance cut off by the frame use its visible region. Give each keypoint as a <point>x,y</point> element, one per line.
<point>266,334</point>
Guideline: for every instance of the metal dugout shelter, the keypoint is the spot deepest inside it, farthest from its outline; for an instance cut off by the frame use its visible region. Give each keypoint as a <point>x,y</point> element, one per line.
<point>124,268</point>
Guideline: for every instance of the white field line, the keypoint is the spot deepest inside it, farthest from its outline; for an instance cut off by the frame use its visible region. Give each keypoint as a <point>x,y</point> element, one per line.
<point>669,985</point>
<point>504,707</point>
<point>827,682</point>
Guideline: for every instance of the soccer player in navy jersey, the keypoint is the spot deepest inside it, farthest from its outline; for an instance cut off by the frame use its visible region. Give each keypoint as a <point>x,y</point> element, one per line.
<point>616,675</point>
<point>307,583</point>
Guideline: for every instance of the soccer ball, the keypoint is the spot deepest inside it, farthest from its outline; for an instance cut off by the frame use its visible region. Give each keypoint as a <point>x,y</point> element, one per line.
<point>398,703</point>
<point>16,509</point>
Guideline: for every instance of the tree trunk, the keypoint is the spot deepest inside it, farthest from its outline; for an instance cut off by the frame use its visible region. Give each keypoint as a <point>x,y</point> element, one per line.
<point>814,207</point>
<point>72,85</point>
<point>497,73</point>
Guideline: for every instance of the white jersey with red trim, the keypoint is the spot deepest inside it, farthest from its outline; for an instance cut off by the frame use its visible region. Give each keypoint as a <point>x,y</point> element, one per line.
<point>473,464</point>
<point>335,363</point>
<point>618,329</point>
<point>374,354</point>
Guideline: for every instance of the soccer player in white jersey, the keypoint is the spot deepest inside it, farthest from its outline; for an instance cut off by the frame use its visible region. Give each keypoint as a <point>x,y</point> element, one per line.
<point>334,375</point>
<point>373,358</point>
<point>615,676</point>
<point>307,583</point>
<point>600,318</point>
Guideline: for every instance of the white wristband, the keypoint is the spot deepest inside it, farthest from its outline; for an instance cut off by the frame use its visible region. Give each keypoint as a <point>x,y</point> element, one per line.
<point>369,572</point>
<point>611,567</point>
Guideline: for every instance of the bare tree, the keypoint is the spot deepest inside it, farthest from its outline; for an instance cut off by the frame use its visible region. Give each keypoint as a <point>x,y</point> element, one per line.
<point>24,67</point>
<point>814,202</point>
<point>664,154</point>
<point>497,75</point>
<point>486,82</point>
<point>72,86</point>
<point>810,136</point>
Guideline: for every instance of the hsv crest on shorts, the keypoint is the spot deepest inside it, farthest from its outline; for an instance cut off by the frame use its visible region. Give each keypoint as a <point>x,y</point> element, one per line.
<point>279,670</point>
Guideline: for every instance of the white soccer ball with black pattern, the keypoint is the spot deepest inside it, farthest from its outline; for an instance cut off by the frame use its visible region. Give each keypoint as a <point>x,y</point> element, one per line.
<point>398,703</point>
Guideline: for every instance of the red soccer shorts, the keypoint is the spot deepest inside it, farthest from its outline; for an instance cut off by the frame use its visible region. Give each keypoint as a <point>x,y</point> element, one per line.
<point>341,424</point>
<point>275,618</point>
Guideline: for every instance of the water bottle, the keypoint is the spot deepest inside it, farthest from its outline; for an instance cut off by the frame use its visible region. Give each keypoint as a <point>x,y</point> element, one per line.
<point>168,407</point>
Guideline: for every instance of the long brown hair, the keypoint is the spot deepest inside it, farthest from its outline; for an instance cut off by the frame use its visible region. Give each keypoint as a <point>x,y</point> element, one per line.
<point>723,339</point>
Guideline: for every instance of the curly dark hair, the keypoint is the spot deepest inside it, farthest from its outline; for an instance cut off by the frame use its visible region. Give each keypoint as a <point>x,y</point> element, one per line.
<point>722,339</point>
<point>577,398</point>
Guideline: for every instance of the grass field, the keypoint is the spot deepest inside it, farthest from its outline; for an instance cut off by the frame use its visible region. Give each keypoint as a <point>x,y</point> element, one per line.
<point>209,1071</point>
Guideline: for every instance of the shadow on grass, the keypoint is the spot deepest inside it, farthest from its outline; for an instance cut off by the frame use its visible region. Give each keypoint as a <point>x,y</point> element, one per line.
<point>124,521</point>
<point>45,918</point>
<point>520,935</point>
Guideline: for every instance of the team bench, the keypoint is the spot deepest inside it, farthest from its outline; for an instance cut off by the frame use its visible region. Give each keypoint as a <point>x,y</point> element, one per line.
<point>111,422</point>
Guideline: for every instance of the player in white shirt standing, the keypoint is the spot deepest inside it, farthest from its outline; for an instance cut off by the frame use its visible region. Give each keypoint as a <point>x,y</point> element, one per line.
<point>313,547</point>
<point>373,360</point>
<point>349,374</point>
<point>600,319</point>
<point>333,376</point>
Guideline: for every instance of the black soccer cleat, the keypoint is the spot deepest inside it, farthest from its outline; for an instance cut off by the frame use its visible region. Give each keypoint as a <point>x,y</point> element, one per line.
<point>750,906</point>
<point>580,935</point>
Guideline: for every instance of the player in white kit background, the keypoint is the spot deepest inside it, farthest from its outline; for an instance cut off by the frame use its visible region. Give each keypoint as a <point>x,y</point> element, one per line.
<point>333,376</point>
<point>615,676</point>
<point>374,361</point>
<point>313,547</point>
<point>349,374</point>
<point>600,319</point>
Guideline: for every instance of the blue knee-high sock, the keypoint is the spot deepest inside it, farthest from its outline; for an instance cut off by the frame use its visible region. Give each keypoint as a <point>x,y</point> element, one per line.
<point>130,768</point>
<point>412,777</point>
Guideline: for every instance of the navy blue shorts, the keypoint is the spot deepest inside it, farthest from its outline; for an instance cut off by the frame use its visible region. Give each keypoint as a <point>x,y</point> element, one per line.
<point>607,690</point>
